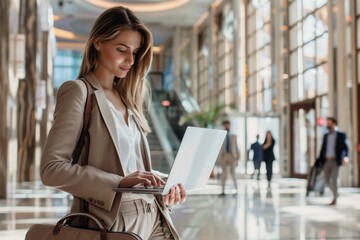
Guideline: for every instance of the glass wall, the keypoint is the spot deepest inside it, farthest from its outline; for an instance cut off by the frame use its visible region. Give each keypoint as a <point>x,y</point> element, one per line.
<point>203,85</point>
<point>66,66</point>
<point>224,80</point>
<point>308,45</point>
<point>258,35</point>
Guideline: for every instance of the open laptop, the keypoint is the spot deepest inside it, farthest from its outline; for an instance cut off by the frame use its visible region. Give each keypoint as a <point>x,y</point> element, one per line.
<point>194,161</point>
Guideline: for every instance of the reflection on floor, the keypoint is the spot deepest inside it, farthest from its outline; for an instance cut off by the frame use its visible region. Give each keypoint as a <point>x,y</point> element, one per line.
<point>256,212</point>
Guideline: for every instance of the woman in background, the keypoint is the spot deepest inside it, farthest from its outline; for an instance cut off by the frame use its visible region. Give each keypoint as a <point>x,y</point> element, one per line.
<point>268,154</point>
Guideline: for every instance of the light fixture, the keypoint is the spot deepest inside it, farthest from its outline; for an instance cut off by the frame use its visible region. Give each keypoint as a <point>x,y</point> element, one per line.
<point>141,7</point>
<point>56,17</point>
<point>157,49</point>
<point>60,33</point>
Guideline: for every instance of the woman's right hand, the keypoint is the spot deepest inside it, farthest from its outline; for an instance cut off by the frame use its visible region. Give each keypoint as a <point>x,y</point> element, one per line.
<point>141,177</point>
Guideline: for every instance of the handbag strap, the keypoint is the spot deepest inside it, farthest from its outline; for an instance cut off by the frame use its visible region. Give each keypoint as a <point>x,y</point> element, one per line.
<point>84,139</point>
<point>84,136</point>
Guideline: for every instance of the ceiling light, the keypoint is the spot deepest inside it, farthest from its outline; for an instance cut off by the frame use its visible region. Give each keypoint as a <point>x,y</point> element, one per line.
<point>56,17</point>
<point>157,49</point>
<point>140,7</point>
<point>60,33</point>
<point>79,46</point>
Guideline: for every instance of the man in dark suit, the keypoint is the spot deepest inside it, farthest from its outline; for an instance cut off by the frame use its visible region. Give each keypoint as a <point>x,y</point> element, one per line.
<point>257,149</point>
<point>334,152</point>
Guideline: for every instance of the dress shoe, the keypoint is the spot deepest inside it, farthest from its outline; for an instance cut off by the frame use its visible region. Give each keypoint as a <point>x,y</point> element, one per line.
<point>333,202</point>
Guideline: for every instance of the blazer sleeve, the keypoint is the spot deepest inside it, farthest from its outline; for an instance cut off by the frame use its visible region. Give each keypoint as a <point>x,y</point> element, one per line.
<point>56,170</point>
<point>345,145</point>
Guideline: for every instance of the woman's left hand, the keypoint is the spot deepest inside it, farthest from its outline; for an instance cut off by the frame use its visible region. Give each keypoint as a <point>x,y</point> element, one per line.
<point>176,195</point>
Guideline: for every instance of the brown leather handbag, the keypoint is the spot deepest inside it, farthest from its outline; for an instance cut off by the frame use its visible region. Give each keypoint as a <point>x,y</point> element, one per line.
<point>63,229</point>
<point>62,232</point>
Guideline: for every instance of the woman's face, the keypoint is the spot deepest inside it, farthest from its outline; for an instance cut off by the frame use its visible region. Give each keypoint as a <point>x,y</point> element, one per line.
<point>116,56</point>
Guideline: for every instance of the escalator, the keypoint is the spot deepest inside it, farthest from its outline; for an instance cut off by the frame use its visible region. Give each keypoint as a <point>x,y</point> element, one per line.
<point>166,109</point>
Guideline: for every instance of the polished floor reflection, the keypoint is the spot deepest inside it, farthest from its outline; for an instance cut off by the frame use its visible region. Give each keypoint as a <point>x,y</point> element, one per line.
<point>281,211</point>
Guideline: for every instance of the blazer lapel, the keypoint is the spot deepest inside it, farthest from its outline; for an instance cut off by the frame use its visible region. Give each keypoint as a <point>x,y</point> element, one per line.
<point>146,152</point>
<point>105,112</point>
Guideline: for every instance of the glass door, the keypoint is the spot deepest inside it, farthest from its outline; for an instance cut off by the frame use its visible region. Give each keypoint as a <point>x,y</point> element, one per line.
<point>303,138</point>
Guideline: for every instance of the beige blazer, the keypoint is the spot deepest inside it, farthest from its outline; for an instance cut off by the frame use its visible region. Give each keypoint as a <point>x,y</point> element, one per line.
<point>95,181</point>
<point>233,147</point>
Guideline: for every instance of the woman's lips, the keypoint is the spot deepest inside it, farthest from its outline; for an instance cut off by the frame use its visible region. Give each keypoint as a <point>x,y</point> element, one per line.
<point>125,69</point>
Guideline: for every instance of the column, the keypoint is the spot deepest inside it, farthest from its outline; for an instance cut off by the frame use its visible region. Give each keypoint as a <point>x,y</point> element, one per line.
<point>4,89</point>
<point>26,92</point>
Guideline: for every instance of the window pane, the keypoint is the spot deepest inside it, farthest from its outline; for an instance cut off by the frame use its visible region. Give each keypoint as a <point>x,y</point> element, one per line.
<point>265,58</point>
<point>322,20</point>
<point>294,34</point>
<point>323,79</point>
<point>308,6</point>
<point>322,48</point>
<point>259,101</point>
<point>320,3</point>
<point>309,28</point>
<point>357,7</point>
<point>259,83</point>
<point>294,63</point>
<point>263,36</point>
<point>309,55</point>
<point>267,100</point>
<point>293,12</point>
<point>265,9</point>
<point>310,83</point>
<point>260,21</point>
<point>266,77</point>
<point>294,89</point>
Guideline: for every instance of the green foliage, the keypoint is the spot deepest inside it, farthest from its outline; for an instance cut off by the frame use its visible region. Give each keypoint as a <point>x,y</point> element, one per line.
<point>206,117</point>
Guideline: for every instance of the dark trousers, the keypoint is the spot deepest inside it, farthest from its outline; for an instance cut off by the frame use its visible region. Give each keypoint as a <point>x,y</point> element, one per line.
<point>269,164</point>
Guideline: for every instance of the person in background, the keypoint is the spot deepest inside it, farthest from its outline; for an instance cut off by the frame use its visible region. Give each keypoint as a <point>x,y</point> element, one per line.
<point>256,147</point>
<point>334,152</point>
<point>268,154</point>
<point>229,156</point>
<point>116,59</point>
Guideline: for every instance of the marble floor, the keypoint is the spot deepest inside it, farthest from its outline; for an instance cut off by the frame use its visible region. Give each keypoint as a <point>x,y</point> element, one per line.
<point>281,211</point>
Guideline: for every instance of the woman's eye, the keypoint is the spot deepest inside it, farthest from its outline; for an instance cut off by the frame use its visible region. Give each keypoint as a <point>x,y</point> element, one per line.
<point>121,50</point>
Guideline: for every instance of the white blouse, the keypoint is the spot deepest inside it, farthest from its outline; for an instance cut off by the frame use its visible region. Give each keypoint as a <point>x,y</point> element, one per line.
<point>129,138</point>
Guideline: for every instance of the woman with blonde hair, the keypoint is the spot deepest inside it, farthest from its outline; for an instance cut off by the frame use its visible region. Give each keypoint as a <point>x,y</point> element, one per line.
<point>116,60</point>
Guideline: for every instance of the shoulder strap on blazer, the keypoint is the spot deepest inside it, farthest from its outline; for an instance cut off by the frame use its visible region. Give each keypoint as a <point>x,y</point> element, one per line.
<point>84,136</point>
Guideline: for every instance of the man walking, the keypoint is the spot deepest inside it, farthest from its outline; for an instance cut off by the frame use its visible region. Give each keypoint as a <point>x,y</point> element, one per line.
<point>334,152</point>
<point>257,149</point>
<point>229,156</point>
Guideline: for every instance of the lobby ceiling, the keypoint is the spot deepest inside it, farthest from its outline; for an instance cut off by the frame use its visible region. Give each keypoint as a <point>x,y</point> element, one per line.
<point>74,18</point>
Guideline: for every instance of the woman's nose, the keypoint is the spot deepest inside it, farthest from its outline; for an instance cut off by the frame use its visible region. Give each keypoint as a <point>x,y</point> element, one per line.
<point>130,58</point>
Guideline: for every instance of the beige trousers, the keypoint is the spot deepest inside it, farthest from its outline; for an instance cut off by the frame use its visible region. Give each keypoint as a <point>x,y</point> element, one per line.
<point>143,219</point>
<point>331,172</point>
<point>227,161</point>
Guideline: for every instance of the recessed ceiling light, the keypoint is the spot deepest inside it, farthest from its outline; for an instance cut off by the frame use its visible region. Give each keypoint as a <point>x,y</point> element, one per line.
<point>140,7</point>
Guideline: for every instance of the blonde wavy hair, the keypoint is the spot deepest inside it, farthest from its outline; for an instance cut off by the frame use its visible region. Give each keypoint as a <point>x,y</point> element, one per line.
<point>135,92</point>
